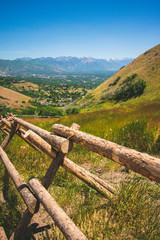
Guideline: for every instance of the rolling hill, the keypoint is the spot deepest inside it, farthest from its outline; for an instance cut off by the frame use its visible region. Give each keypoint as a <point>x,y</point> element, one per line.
<point>13,99</point>
<point>145,67</point>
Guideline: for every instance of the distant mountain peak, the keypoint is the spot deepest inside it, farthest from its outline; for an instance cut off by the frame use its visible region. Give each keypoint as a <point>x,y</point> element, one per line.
<point>24,58</point>
<point>118,59</point>
<point>63,64</point>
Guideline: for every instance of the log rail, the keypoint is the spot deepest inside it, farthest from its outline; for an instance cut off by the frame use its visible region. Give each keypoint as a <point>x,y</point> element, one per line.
<point>56,146</point>
<point>142,163</point>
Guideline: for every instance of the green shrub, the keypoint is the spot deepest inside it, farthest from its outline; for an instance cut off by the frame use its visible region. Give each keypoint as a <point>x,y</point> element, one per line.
<point>70,111</point>
<point>4,109</point>
<point>28,111</point>
<point>34,103</point>
<point>129,79</point>
<point>129,90</point>
<point>49,111</point>
<point>115,81</point>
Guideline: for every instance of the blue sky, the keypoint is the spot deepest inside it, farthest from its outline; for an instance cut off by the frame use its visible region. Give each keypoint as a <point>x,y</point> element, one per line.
<point>97,28</point>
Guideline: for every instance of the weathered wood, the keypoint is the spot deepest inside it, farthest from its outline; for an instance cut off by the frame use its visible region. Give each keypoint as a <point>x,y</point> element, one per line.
<point>58,142</point>
<point>60,218</point>
<point>7,123</point>
<point>99,185</point>
<point>3,234</point>
<point>53,168</point>
<point>19,182</point>
<point>75,126</point>
<point>40,143</point>
<point>46,181</point>
<point>70,166</point>
<point>10,136</point>
<point>4,131</point>
<point>20,133</point>
<point>3,128</point>
<point>142,163</point>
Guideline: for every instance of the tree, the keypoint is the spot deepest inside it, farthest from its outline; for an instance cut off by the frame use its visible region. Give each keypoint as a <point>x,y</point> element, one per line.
<point>70,111</point>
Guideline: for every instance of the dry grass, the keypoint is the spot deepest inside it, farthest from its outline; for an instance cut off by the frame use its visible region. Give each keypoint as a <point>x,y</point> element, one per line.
<point>13,99</point>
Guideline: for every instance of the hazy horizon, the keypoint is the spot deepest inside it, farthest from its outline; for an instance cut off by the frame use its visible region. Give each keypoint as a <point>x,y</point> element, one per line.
<point>107,59</point>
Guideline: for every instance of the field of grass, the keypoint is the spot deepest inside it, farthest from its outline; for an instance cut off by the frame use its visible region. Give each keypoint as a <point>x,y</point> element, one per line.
<point>133,212</point>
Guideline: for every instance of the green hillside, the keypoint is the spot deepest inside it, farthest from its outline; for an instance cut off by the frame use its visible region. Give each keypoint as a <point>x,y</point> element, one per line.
<point>146,67</point>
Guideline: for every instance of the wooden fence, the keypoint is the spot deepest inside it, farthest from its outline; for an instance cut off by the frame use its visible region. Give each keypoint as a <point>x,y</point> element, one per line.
<point>56,146</point>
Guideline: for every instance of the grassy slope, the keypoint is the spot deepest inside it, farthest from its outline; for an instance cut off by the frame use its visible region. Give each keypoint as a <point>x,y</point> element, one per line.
<point>146,66</point>
<point>13,98</point>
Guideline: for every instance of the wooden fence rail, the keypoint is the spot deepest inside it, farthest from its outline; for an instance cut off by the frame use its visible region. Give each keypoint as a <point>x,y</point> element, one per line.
<point>2,234</point>
<point>142,163</point>
<point>62,144</point>
<point>56,147</point>
<point>61,219</point>
<point>19,182</point>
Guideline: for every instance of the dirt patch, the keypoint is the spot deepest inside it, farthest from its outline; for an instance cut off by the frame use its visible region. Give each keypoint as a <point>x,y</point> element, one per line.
<point>41,224</point>
<point>115,177</point>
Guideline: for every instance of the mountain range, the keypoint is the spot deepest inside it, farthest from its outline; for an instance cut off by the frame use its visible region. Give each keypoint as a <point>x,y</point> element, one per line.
<point>59,65</point>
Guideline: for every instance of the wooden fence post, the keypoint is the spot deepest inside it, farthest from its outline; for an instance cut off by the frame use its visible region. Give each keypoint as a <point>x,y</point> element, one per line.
<point>61,219</point>
<point>10,136</point>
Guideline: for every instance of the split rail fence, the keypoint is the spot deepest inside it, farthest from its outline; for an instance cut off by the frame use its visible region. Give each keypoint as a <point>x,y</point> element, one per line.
<point>56,145</point>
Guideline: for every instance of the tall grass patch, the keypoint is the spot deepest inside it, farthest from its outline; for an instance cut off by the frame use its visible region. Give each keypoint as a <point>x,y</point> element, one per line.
<point>133,212</point>
<point>139,136</point>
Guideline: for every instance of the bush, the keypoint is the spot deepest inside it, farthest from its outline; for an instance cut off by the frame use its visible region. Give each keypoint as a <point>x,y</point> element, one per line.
<point>70,111</point>
<point>34,103</point>
<point>115,81</point>
<point>50,111</point>
<point>129,79</point>
<point>129,90</point>
<point>4,109</point>
<point>28,111</point>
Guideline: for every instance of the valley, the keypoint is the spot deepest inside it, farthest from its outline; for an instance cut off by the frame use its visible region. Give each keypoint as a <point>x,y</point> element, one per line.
<point>56,91</point>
